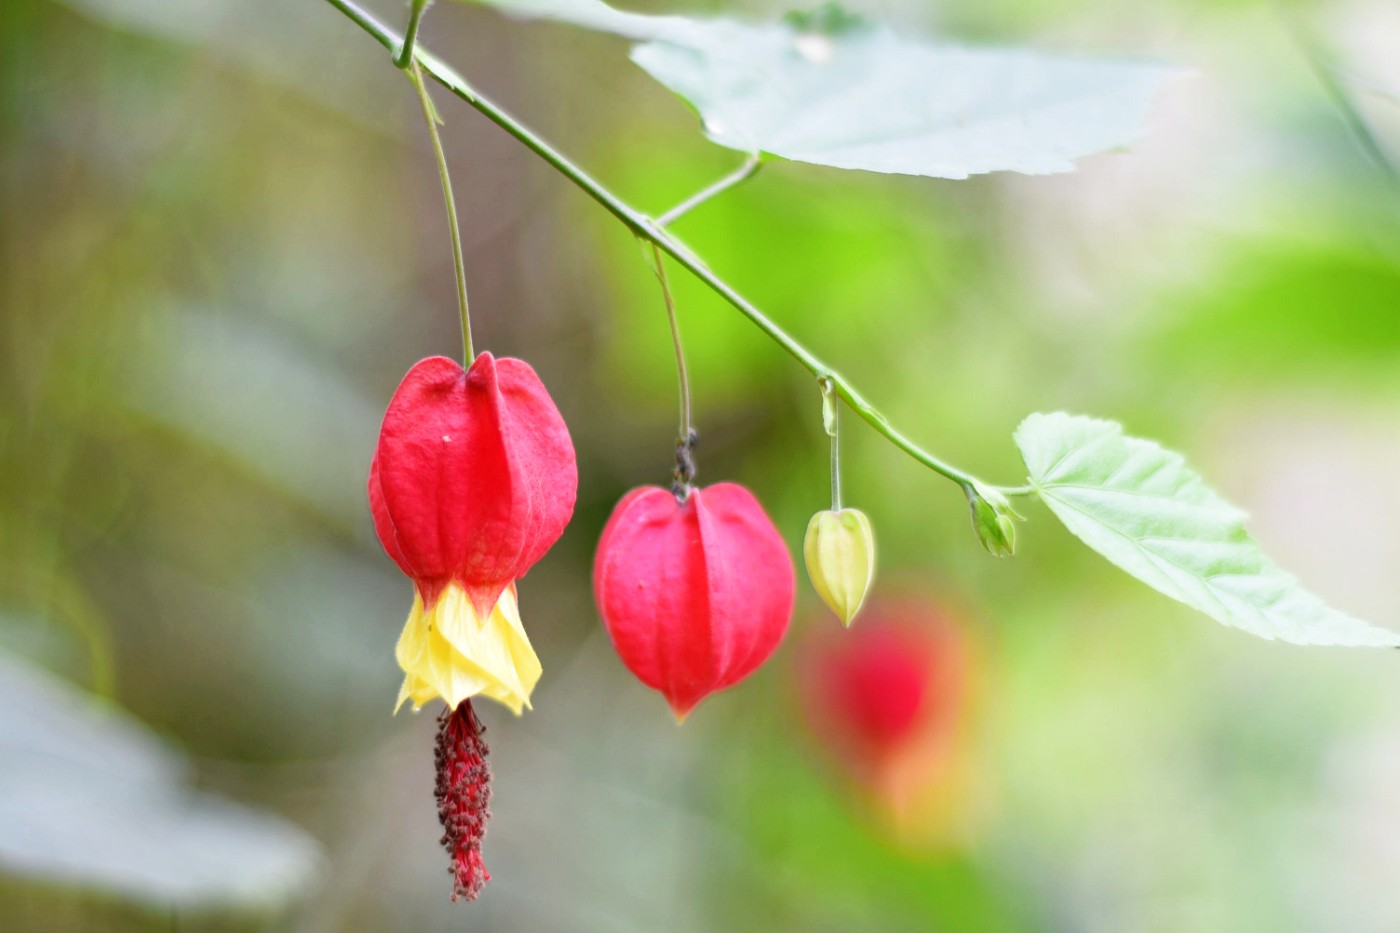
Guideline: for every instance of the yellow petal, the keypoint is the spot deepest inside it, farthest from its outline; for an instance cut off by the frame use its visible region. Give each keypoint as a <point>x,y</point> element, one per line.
<point>448,651</point>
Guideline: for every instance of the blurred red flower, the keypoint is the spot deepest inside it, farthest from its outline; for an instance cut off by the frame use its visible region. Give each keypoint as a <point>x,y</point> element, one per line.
<point>888,702</point>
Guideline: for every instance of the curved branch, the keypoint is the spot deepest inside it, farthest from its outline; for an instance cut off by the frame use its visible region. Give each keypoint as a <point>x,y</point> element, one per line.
<point>649,229</point>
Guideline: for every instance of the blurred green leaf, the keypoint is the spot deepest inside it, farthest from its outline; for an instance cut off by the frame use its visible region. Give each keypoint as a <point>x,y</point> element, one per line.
<point>828,89</point>
<point>1327,305</point>
<point>594,14</point>
<point>1141,507</point>
<point>92,798</point>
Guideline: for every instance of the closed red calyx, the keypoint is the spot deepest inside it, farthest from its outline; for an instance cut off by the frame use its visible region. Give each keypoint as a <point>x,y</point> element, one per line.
<point>695,595</point>
<point>474,477</point>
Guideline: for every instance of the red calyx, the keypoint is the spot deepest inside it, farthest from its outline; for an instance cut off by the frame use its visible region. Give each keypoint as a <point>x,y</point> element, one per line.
<point>463,795</point>
<point>695,595</point>
<point>474,477</point>
<point>893,683</point>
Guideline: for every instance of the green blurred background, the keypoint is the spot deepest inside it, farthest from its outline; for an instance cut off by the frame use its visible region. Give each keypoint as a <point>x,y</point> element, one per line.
<point>222,243</point>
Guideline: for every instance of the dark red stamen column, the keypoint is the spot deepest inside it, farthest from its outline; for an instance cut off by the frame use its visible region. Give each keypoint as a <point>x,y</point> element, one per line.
<point>463,795</point>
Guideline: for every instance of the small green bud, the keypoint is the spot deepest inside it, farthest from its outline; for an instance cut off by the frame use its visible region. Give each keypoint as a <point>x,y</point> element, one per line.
<point>840,554</point>
<point>993,519</point>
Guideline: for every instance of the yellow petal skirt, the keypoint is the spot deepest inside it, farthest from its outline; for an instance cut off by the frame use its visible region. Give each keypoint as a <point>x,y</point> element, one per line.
<point>448,651</point>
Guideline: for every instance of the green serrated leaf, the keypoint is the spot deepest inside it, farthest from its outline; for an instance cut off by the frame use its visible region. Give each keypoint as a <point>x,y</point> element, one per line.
<point>828,88</point>
<point>1143,509</point>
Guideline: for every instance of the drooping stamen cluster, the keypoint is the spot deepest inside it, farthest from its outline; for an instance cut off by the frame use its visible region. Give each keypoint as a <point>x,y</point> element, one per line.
<point>463,795</point>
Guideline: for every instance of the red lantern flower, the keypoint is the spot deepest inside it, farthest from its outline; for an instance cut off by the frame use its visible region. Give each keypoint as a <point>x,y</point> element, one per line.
<point>888,700</point>
<point>474,477</point>
<point>695,594</point>
<point>473,480</point>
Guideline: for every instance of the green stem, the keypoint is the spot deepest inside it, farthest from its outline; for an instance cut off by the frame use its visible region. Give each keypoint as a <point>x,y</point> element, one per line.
<point>740,175</point>
<point>659,264</point>
<point>410,38</point>
<point>1018,492</point>
<point>648,229</point>
<point>430,115</point>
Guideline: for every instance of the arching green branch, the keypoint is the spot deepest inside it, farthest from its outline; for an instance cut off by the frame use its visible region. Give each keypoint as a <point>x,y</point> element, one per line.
<point>651,230</point>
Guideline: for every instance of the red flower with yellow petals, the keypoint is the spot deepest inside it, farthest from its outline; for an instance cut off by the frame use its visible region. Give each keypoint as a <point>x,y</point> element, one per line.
<point>473,480</point>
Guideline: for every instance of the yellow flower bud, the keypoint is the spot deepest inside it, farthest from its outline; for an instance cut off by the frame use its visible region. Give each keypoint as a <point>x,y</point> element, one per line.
<point>840,554</point>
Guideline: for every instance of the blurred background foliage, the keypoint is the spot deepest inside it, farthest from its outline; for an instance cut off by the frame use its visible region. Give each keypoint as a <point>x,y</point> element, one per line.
<point>222,244</point>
